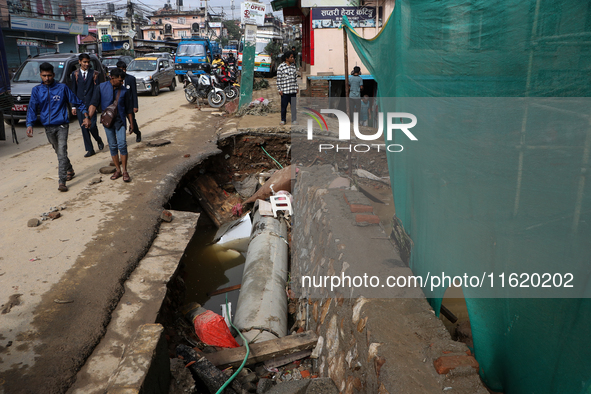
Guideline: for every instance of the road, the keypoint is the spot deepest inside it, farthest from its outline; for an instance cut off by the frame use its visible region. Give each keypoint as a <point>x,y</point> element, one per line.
<point>64,277</point>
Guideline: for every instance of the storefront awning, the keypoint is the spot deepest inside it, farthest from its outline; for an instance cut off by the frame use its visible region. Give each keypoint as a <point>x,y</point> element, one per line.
<point>278,5</point>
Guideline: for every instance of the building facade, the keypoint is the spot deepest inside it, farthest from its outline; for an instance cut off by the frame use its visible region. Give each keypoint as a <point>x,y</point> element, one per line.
<point>170,24</point>
<point>32,27</point>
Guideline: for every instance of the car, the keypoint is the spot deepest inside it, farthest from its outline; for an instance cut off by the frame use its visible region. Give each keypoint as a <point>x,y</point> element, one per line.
<point>27,76</point>
<point>110,62</point>
<point>152,74</point>
<point>164,55</point>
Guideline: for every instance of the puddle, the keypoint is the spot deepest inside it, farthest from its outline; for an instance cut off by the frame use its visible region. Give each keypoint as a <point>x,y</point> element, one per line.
<point>209,268</point>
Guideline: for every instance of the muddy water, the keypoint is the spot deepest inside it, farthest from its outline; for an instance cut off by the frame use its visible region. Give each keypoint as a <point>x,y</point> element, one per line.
<point>209,268</point>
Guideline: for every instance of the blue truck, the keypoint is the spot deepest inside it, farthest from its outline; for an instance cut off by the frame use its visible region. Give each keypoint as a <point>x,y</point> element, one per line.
<point>192,54</point>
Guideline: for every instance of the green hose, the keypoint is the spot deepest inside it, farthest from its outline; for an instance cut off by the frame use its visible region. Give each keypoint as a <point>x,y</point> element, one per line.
<point>279,164</point>
<point>245,344</point>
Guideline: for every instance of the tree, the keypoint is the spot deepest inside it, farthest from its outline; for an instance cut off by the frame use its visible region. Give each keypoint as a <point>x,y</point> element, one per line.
<point>234,31</point>
<point>273,49</point>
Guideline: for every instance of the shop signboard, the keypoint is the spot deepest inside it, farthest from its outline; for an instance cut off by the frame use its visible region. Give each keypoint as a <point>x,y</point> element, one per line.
<point>332,17</point>
<point>47,25</point>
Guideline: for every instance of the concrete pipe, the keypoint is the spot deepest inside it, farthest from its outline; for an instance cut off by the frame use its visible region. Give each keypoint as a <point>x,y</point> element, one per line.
<point>261,313</point>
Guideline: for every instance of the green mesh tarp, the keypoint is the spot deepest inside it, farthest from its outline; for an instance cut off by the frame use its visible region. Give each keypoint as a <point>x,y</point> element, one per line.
<point>509,196</point>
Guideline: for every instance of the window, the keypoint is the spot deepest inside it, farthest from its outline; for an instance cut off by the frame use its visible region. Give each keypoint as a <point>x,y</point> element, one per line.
<point>166,19</point>
<point>104,32</point>
<point>181,21</point>
<point>183,33</point>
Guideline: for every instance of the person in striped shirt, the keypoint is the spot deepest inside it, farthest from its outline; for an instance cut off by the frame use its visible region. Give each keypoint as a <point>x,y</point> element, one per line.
<point>288,87</point>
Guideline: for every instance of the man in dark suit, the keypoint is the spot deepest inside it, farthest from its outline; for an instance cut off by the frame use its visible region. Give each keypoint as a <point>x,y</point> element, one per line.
<point>130,83</point>
<point>84,82</point>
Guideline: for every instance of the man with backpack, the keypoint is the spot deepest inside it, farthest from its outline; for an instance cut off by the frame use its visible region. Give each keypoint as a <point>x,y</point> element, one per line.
<point>51,100</point>
<point>84,82</point>
<point>117,105</point>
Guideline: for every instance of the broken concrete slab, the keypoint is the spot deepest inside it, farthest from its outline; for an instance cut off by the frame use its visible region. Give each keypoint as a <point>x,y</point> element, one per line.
<point>159,142</point>
<point>340,183</point>
<point>145,367</point>
<point>145,291</point>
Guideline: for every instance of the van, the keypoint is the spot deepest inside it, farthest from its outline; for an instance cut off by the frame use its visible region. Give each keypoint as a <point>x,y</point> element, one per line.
<point>27,76</point>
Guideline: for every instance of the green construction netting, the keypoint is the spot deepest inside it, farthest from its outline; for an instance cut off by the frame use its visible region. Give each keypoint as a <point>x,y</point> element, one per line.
<point>459,207</point>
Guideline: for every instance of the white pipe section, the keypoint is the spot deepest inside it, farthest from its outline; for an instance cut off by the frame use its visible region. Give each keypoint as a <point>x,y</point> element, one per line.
<point>263,301</point>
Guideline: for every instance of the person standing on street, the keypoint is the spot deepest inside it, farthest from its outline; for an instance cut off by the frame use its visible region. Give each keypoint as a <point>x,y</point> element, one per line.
<point>288,87</point>
<point>356,86</point>
<point>84,81</point>
<point>129,82</point>
<point>108,93</point>
<point>51,100</point>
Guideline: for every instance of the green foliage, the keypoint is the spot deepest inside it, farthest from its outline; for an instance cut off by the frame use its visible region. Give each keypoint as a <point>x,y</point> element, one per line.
<point>273,49</point>
<point>234,30</point>
<point>296,44</point>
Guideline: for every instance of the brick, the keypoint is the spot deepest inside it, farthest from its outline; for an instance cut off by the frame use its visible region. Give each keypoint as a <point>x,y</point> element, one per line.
<point>444,364</point>
<point>305,374</point>
<point>364,218</point>
<point>359,208</point>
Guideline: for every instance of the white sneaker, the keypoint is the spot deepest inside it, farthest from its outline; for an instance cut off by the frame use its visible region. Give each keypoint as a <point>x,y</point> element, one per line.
<point>282,123</point>
<point>295,122</point>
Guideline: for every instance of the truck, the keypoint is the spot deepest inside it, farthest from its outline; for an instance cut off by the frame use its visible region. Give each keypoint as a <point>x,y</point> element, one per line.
<point>262,61</point>
<point>192,54</point>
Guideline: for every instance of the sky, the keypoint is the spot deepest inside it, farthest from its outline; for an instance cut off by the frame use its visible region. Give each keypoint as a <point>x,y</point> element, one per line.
<point>216,5</point>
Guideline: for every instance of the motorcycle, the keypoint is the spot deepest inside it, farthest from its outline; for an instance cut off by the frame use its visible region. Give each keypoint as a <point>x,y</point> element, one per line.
<point>226,79</point>
<point>202,86</point>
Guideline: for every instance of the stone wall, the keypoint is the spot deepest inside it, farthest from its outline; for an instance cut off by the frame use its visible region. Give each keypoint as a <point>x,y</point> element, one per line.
<point>370,341</point>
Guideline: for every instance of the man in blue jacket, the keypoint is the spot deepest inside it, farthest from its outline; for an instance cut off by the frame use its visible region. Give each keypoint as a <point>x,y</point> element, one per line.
<point>51,100</point>
<point>105,95</point>
<point>84,82</point>
<point>130,83</point>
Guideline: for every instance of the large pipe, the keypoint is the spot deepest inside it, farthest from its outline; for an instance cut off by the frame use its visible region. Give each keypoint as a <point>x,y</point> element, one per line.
<point>261,313</point>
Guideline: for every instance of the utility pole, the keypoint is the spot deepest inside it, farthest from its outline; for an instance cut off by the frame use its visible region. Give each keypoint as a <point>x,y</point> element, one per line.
<point>206,22</point>
<point>130,19</point>
<point>232,8</point>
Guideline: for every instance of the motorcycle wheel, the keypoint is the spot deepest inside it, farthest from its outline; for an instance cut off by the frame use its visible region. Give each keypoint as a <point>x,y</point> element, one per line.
<point>216,99</point>
<point>189,97</point>
<point>231,92</point>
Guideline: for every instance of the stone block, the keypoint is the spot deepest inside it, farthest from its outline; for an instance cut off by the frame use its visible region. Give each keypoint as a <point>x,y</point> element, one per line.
<point>291,387</point>
<point>444,364</point>
<point>322,386</point>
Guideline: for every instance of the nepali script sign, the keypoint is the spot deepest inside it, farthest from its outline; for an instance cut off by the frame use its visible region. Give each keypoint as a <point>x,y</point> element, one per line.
<point>332,17</point>
<point>252,13</point>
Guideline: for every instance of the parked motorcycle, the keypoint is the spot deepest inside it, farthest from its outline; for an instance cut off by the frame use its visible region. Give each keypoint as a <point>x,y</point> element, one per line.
<point>202,86</point>
<point>226,79</point>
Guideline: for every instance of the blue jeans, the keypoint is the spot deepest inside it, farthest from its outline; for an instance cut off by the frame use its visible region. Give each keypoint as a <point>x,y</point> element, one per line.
<point>86,133</point>
<point>58,138</point>
<point>117,140</point>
